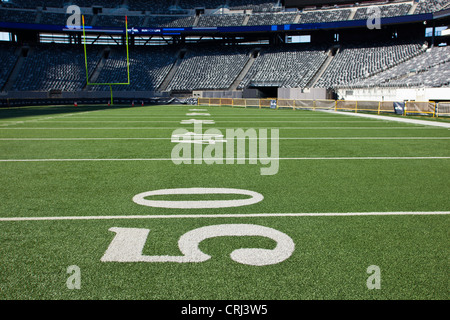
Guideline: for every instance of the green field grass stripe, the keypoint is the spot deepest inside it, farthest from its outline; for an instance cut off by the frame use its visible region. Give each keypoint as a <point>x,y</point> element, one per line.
<point>209,216</point>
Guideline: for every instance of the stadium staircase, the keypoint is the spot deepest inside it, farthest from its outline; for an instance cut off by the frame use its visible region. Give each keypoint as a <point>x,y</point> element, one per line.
<point>146,19</point>
<point>22,54</point>
<point>247,17</point>
<point>38,16</point>
<point>253,55</point>
<point>413,8</point>
<point>331,54</point>
<point>197,18</point>
<point>352,13</point>
<point>94,20</point>
<point>98,69</point>
<point>173,70</point>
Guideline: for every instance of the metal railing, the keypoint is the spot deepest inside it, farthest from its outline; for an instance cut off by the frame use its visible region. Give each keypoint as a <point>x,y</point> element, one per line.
<point>428,108</point>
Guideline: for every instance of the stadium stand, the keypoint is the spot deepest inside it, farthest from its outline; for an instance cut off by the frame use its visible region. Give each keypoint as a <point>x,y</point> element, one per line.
<point>115,21</point>
<point>271,19</point>
<point>427,6</point>
<point>146,13</point>
<point>317,16</point>
<point>151,6</point>
<point>221,20</point>
<point>363,60</point>
<point>392,10</point>
<point>59,67</point>
<point>170,21</point>
<point>15,15</point>
<point>209,68</point>
<point>255,6</point>
<point>148,68</point>
<point>7,62</point>
<point>209,4</point>
<point>60,3</point>
<point>429,68</point>
<point>220,67</point>
<point>436,76</point>
<point>53,18</point>
<point>62,67</point>
<point>286,67</point>
<point>91,3</point>
<point>29,4</point>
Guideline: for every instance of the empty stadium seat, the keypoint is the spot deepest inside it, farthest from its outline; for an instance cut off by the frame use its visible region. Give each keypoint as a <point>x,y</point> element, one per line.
<point>209,68</point>
<point>361,61</point>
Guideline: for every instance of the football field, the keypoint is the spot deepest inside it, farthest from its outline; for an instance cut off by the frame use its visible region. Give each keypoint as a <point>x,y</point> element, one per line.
<point>95,204</point>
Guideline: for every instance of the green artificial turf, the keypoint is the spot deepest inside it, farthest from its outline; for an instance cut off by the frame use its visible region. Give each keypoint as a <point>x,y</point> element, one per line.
<point>332,253</point>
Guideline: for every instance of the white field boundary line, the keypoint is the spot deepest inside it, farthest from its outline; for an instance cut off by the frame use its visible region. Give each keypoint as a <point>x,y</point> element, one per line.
<point>249,138</point>
<point>226,159</point>
<point>215,116</point>
<point>173,128</point>
<point>396,119</point>
<point>47,121</point>
<point>39,119</point>
<point>209,216</point>
<point>182,113</point>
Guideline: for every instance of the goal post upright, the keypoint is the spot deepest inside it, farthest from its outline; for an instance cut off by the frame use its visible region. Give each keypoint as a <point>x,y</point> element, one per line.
<point>126,45</point>
<point>86,62</point>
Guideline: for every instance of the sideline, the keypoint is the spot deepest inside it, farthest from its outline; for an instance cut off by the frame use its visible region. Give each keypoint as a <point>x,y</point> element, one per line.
<point>397,119</point>
<point>249,215</point>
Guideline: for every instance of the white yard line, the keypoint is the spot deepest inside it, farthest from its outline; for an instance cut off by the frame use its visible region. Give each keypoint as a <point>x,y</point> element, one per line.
<point>177,121</point>
<point>173,128</point>
<point>209,216</point>
<point>38,119</point>
<point>226,159</point>
<point>268,138</point>
<point>272,116</point>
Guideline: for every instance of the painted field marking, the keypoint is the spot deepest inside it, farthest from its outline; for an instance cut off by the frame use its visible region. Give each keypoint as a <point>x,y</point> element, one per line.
<point>197,138</point>
<point>211,136</point>
<point>236,215</point>
<point>5,123</point>
<point>225,159</point>
<point>215,116</point>
<point>128,244</point>
<point>172,128</point>
<point>220,121</point>
<point>195,121</point>
<point>255,197</point>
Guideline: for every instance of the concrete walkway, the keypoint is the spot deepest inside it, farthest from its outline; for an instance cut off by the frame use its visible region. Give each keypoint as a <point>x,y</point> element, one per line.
<point>397,119</point>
